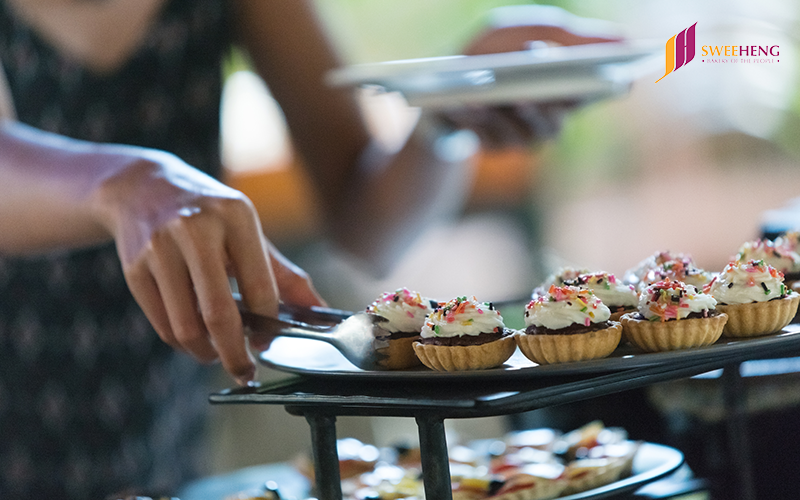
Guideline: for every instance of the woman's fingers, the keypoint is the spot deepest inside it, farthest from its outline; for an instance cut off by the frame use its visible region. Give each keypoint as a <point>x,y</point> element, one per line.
<point>172,277</point>
<point>144,289</point>
<point>177,248</point>
<point>514,38</point>
<point>202,237</point>
<point>247,251</point>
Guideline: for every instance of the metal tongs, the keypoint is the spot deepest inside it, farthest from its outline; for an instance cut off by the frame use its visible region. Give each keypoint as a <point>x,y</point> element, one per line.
<point>358,336</point>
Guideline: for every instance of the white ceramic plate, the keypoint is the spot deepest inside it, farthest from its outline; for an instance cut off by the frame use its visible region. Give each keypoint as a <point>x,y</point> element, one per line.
<point>575,73</point>
<point>652,461</point>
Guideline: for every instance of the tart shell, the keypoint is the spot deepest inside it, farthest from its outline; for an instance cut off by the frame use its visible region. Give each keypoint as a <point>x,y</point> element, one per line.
<point>655,336</point>
<point>551,349</point>
<point>759,318</point>
<point>399,354</point>
<point>470,357</point>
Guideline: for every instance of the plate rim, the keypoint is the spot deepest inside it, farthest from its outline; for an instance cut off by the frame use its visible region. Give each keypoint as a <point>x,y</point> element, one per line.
<point>575,56</point>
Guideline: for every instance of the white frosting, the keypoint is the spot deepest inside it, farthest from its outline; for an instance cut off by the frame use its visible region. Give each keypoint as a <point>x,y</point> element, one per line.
<point>752,281</point>
<point>779,257</point>
<point>405,311</point>
<point>462,316</point>
<point>669,299</point>
<point>565,306</point>
<point>608,289</point>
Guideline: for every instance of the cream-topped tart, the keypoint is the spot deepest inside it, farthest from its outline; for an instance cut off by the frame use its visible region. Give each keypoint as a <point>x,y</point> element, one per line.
<point>673,315</point>
<point>754,297</point>
<point>568,324</point>
<point>404,312</point>
<point>464,334</point>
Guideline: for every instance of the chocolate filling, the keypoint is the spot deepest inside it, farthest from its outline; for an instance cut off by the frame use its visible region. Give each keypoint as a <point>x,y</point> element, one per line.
<point>572,329</point>
<point>398,335</point>
<point>465,340</point>
<point>694,315</point>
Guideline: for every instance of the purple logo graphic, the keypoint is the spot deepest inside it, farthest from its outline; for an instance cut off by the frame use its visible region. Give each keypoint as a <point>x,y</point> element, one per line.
<point>679,50</point>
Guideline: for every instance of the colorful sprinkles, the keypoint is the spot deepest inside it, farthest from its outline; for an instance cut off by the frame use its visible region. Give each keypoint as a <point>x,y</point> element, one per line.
<point>403,295</point>
<point>449,312</point>
<point>666,298</point>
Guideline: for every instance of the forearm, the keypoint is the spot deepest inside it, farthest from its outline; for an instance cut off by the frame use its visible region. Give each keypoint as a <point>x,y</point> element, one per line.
<point>394,198</point>
<point>49,187</point>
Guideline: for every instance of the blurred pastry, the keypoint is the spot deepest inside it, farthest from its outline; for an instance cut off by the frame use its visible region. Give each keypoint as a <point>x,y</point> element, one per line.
<point>681,269</point>
<point>530,485</point>
<point>558,278</point>
<point>636,274</point>
<point>779,255</point>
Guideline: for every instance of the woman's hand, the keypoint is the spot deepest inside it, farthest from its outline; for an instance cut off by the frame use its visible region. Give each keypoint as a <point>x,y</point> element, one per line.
<point>180,236</point>
<point>517,28</point>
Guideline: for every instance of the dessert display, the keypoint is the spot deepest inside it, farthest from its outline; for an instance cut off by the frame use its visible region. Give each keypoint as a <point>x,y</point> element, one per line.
<point>673,315</point>
<point>496,470</point>
<point>779,255</point>
<point>568,324</point>
<point>754,297</point>
<point>405,312</point>
<point>464,334</point>
<point>617,296</point>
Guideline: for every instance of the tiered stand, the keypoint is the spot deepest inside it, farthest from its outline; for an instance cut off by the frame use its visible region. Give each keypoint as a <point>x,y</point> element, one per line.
<point>320,399</point>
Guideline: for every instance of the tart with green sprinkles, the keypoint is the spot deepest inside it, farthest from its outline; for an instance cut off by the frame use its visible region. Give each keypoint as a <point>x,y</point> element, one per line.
<point>464,334</point>
<point>755,298</point>
<point>568,324</point>
<point>673,315</point>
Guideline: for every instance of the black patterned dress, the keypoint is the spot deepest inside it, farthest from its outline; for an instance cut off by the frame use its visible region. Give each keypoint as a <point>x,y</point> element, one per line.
<point>91,401</point>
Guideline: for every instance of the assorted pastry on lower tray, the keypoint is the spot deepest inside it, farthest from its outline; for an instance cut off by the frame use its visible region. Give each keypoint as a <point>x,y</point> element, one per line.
<point>535,464</point>
<point>666,302</point>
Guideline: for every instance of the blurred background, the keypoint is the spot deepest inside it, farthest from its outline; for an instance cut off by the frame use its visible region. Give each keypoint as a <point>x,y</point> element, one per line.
<point>696,163</point>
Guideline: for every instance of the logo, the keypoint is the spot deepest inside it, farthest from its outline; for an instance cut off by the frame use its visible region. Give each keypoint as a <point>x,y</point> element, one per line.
<point>679,50</point>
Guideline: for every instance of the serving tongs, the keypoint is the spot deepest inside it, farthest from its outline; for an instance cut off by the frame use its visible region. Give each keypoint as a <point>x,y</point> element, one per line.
<point>358,336</point>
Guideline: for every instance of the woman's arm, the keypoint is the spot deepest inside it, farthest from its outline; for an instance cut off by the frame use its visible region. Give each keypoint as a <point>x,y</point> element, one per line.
<point>180,234</point>
<point>375,201</point>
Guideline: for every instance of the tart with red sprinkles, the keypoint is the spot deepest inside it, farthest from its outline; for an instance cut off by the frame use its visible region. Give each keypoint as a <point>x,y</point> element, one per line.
<point>673,315</point>
<point>464,334</point>
<point>568,324</point>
